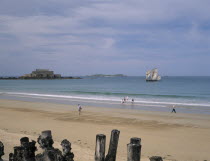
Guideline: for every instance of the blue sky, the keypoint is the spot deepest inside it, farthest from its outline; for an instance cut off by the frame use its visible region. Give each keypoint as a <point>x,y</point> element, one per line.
<point>83,37</point>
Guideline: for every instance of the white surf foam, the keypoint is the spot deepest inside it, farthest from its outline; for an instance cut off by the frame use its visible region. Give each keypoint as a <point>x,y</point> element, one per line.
<point>95,99</point>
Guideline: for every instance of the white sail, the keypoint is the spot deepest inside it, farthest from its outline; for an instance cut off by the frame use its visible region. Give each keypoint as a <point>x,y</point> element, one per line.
<point>148,75</point>
<point>152,75</point>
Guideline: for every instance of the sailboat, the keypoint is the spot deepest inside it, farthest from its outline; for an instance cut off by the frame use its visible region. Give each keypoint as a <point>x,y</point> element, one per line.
<point>152,75</point>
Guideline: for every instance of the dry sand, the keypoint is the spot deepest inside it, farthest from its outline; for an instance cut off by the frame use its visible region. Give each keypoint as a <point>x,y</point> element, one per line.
<point>182,137</point>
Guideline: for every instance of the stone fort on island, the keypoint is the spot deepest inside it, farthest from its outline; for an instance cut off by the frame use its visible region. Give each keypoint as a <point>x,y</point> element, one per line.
<point>42,73</point>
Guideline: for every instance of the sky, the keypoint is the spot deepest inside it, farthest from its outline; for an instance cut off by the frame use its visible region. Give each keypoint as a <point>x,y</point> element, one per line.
<point>84,37</point>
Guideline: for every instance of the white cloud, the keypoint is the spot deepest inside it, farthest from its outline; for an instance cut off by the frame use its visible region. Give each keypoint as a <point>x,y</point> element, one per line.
<point>74,32</point>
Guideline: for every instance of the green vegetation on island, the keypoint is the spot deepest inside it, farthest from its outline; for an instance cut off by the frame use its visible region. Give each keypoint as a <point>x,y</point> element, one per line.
<point>107,75</point>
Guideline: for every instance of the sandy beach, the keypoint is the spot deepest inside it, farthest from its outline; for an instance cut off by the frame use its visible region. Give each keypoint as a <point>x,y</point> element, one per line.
<point>181,137</point>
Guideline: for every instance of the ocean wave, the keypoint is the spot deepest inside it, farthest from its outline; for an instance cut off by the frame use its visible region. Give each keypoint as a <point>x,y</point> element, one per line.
<point>128,94</point>
<point>100,98</point>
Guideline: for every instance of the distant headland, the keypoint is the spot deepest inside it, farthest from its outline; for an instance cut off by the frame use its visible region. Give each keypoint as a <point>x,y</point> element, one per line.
<point>41,74</point>
<point>107,75</point>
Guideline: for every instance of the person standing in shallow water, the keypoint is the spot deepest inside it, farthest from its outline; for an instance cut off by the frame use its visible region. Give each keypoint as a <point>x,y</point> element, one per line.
<point>132,101</point>
<point>79,109</point>
<point>173,110</point>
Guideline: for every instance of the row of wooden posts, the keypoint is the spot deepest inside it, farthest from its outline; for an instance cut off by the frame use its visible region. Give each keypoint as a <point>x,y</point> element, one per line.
<point>46,142</point>
<point>133,148</point>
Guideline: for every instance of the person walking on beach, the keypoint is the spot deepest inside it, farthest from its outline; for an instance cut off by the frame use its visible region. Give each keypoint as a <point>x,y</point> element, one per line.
<point>132,101</point>
<point>79,108</point>
<point>122,101</point>
<point>173,110</point>
<point>126,98</point>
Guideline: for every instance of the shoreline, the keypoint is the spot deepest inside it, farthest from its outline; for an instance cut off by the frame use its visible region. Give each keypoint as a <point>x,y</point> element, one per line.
<point>190,108</point>
<point>183,132</point>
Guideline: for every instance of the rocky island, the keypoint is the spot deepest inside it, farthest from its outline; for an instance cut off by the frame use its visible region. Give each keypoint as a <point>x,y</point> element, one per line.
<point>41,74</point>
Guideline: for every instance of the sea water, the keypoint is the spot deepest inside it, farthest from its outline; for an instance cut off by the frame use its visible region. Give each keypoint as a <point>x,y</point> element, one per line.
<point>188,94</point>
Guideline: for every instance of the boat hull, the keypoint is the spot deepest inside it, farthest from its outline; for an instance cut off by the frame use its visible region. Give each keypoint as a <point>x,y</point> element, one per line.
<point>152,80</point>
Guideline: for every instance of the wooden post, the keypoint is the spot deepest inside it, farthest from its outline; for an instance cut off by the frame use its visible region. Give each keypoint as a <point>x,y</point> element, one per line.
<point>1,150</point>
<point>135,140</point>
<point>100,147</point>
<point>111,156</point>
<point>134,149</point>
<point>156,158</point>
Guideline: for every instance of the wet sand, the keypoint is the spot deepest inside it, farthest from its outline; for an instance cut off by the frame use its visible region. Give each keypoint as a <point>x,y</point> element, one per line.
<point>180,137</point>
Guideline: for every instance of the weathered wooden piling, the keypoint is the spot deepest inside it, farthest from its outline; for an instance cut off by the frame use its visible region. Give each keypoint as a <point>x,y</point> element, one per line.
<point>156,158</point>
<point>100,147</point>
<point>134,149</point>
<point>111,156</point>
<point>135,140</point>
<point>50,153</point>
<point>67,154</point>
<point>1,150</point>
<point>26,150</point>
